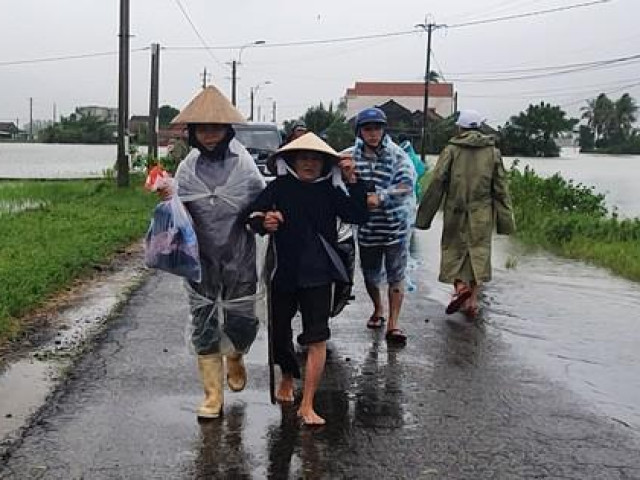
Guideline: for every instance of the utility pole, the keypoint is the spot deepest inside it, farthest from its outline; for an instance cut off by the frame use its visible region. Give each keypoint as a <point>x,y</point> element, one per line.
<point>122,164</point>
<point>429,28</point>
<point>251,115</point>
<point>273,113</point>
<point>233,83</point>
<point>153,102</point>
<point>31,119</point>
<point>55,114</point>
<point>205,77</point>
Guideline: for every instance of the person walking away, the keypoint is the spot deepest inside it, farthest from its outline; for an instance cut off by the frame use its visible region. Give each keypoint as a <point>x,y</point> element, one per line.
<point>217,181</point>
<point>471,178</point>
<point>390,178</point>
<point>300,209</point>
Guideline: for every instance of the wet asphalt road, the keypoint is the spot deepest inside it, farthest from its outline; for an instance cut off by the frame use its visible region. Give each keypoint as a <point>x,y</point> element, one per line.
<point>457,403</point>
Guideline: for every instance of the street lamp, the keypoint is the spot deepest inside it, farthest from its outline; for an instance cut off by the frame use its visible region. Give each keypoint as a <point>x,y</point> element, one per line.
<point>234,63</point>
<point>254,93</point>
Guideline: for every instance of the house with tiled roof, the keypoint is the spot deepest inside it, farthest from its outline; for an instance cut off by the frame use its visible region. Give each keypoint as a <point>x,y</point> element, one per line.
<point>408,94</point>
<point>8,130</point>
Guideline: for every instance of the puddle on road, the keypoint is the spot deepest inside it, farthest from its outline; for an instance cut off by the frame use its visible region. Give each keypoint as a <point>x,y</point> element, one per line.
<point>24,387</point>
<point>575,322</point>
<point>26,383</point>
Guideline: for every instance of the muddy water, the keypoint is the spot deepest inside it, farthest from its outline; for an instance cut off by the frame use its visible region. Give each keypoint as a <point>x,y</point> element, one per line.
<point>576,323</point>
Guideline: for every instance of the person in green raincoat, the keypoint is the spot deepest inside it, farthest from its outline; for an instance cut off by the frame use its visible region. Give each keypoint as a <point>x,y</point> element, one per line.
<point>471,178</point>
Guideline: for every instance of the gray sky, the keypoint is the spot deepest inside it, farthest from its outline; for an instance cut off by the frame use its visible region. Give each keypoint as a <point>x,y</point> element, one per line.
<point>302,76</point>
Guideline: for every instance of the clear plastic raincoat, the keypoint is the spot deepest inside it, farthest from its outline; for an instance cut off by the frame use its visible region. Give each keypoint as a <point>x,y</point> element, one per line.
<point>225,305</point>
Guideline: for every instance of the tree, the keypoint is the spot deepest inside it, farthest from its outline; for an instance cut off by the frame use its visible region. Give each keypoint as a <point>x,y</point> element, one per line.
<point>166,113</point>
<point>329,123</point>
<point>611,122</point>
<point>78,128</point>
<point>533,133</point>
<point>434,77</point>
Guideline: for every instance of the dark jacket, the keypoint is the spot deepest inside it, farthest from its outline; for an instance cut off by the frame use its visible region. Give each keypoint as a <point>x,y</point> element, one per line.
<point>309,210</point>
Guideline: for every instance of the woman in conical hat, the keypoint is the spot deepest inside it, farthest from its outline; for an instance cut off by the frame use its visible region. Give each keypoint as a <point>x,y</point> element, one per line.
<point>217,181</point>
<point>300,208</point>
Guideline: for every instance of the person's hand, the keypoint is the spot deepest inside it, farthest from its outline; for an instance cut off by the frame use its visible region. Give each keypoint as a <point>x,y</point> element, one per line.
<point>165,193</point>
<point>373,201</point>
<point>348,167</point>
<point>272,221</point>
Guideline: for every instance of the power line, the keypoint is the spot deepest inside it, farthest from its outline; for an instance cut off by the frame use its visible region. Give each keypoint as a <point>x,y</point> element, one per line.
<point>623,87</point>
<point>202,40</point>
<point>551,67</point>
<point>65,57</point>
<point>527,14</point>
<point>598,66</point>
<point>307,42</point>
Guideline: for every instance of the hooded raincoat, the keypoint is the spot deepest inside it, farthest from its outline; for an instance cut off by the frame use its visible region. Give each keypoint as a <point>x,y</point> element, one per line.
<point>216,194</point>
<point>471,177</point>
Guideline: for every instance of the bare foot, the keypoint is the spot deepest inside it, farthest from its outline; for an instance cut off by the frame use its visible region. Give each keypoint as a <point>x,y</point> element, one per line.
<point>310,418</point>
<point>285,390</point>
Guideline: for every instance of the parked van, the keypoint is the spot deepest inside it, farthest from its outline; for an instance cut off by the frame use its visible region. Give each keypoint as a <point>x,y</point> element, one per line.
<point>261,140</point>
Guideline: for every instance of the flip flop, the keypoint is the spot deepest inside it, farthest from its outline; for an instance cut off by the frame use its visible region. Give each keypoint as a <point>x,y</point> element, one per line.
<point>375,322</point>
<point>396,336</point>
<point>458,299</point>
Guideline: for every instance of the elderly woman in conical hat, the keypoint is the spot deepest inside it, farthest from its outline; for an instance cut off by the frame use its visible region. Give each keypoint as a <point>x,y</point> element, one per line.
<point>217,181</point>
<point>300,208</point>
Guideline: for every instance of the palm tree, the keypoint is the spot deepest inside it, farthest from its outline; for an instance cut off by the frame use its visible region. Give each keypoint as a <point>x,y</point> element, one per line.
<point>625,112</point>
<point>600,116</point>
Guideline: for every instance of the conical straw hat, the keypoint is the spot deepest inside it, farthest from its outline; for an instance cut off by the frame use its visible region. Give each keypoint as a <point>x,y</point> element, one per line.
<point>308,141</point>
<point>209,106</point>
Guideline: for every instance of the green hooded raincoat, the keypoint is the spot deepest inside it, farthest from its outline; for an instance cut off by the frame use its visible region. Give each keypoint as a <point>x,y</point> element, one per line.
<point>471,177</point>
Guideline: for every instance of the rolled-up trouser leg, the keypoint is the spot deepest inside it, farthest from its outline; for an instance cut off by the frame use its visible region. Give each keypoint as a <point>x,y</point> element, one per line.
<point>285,306</point>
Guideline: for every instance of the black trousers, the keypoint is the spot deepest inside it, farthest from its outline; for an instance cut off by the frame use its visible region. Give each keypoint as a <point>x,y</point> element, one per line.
<point>314,304</point>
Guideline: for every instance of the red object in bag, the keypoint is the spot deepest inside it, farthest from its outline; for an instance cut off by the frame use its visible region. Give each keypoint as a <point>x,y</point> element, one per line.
<point>157,178</point>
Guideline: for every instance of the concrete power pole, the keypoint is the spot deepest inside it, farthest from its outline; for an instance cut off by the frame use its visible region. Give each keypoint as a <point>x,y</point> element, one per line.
<point>122,164</point>
<point>429,27</point>
<point>233,83</point>
<point>31,119</point>
<point>273,112</point>
<point>205,76</point>
<point>251,115</point>
<point>153,102</point>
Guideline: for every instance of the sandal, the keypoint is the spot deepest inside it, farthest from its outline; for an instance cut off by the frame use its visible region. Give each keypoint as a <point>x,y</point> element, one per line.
<point>375,322</point>
<point>458,299</point>
<point>396,336</point>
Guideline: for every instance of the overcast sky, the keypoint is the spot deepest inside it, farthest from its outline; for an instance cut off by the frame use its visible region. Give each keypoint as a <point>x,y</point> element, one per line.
<point>302,76</point>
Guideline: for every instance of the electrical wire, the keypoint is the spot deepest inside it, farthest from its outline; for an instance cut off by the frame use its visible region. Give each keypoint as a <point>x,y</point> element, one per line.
<point>527,14</point>
<point>66,57</point>
<point>202,40</point>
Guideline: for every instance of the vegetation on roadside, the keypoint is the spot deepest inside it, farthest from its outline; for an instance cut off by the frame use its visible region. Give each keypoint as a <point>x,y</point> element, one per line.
<point>572,220</point>
<point>79,128</point>
<point>55,231</point>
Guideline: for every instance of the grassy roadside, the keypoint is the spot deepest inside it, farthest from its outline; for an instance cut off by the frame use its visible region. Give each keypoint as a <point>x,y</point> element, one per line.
<point>572,220</point>
<point>54,231</point>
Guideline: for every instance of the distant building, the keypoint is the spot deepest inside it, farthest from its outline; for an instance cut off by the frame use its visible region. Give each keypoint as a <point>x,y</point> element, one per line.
<point>402,121</point>
<point>9,131</point>
<point>409,95</point>
<point>103,113</point>
<point>139,125</point>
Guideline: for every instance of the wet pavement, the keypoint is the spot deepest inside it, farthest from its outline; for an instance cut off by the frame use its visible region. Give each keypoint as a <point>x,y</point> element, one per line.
<point>460,401</point>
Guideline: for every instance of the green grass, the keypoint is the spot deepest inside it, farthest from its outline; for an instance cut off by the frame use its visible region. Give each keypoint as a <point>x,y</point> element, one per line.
<point>52,232</point>
<point>572,220</point>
